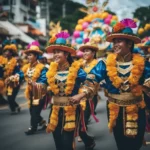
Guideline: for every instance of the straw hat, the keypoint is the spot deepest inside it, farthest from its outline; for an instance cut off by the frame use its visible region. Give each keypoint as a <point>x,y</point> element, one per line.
<point>33,47</point>
<point>59,42</point>
<point>123,29</point>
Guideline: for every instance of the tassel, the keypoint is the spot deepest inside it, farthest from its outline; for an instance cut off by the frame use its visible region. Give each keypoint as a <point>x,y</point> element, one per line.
<point>92,110</point>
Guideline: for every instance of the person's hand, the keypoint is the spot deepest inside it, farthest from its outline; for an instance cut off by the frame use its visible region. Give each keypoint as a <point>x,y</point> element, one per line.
<point>76,99</point>
<point>7,80</point>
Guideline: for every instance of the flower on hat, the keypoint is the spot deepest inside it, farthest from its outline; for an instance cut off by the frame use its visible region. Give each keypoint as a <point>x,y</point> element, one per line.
<point>52,40</point>
<point>125,24</point>
<point>63,35</point>
<point>118,27</point>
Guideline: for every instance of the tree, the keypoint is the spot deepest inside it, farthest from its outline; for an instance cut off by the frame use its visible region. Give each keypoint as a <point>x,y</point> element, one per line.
<point>143,15</point>
<point>72,13</point>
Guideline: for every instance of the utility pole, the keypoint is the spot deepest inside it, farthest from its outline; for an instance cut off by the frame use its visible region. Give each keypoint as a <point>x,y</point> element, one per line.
<point>47,11</point>
<point>10,10</point>
<point>64,10</point>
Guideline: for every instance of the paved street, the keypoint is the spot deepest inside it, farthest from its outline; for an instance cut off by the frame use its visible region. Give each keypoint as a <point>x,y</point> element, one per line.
<point>12,129</point>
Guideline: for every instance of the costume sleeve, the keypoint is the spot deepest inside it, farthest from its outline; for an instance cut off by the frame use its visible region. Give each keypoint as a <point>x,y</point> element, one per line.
<point>18,71</point>
<point>43,78</point>
<point>146,74</point>
<point>96,75</point>
<point>81,75</point>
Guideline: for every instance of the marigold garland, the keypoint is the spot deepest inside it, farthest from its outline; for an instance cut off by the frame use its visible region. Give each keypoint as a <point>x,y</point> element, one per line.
<point>9,68</point>
<point>72,75</point>
<point>3,60</point>
<point>38,68</point>
<point>119,26</point>
<point>70,117</point>
<point>52,39</point>
<point>90,66</point>
<point>53,119</point>
<point>135,75</point>
<point>113,114</point>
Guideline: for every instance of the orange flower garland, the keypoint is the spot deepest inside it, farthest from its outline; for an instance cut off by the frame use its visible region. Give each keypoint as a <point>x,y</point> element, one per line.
<point>3,60</point>
<point>70,111</point>
<point>9,68</point>
<point>90,66</point>
<point>53,119</point>
<point>73,70</point>
<point>113,114</point>
<point>136,72</point>
<point>52,39</point>
<point>135,75</point>
<point>119,26</point>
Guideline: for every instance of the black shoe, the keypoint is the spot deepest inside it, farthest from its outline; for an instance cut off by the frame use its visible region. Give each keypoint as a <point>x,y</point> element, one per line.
<point>30,131</point>
<point>91,146</point>
<point>18,109</point>
<point>43,128</point>
<point>43,122</point>
<point>13,113</point>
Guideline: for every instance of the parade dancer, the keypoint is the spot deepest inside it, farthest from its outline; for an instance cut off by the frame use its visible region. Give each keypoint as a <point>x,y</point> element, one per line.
<point>35,76</point>
<point>3,62</point>
<point>65,78</point>
<point>124,74</point>
<point>12,75</point>
<point>88,63</point>
<point>146,48</point>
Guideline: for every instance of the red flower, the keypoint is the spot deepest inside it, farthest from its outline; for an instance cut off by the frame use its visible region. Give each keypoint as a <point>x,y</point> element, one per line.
<point>119,26</point>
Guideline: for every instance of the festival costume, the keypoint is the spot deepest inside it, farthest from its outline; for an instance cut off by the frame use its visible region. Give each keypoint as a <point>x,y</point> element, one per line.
<point>146,47</point>
<point>91,104</point>
<point>12,76</point>
<point>65,118</point>
<point>123,81</point>
<point>35,92</point>
<point>3,62</point>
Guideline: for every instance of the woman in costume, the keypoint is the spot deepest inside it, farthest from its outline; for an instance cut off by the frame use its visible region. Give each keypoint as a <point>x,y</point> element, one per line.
<point>146,48</point>
<point>65,78</point>
<point>3,62</point>
<point>12,75</point>
<point>35,76</point>
<point>88,63</point>
<point>124,74</point>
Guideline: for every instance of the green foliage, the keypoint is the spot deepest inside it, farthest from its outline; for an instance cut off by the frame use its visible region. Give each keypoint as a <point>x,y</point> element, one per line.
<point>143,14</point>
<point>72,13</point>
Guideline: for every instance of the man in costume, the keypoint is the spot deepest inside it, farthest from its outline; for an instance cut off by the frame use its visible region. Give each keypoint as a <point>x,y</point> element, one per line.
<point>125,77</point>
<point>12,75</point>
<point>65,78</point>
<point>35,76</point>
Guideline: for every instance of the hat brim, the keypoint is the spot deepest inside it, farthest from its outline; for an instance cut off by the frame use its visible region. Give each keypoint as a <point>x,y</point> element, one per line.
<point>12,50</point>
<point>33,51</point>
<point>112,36</point>
<point>88,47</point>
<point>104,47</point>
<point>70,50</point>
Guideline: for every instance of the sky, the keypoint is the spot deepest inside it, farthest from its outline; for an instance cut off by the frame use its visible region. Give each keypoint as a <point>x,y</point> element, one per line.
<point>123,8</point>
